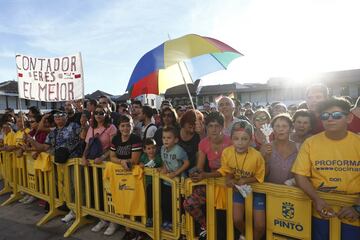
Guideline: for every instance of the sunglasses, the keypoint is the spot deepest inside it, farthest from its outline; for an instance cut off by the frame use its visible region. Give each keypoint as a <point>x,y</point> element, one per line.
<point>334,115</point>
<point>263,118</point>
<point>100,113</point>
<point>59,114</point>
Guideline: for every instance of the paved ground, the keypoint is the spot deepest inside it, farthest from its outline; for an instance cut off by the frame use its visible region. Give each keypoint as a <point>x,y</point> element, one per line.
<point>18,221</point>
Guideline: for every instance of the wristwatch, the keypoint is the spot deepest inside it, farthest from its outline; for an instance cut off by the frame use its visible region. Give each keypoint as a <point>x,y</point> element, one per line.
<point>357,208</point>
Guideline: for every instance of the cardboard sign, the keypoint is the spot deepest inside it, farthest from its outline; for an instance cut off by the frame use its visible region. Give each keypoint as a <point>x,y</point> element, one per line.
<point>50,79</point>
<point>289,217</point>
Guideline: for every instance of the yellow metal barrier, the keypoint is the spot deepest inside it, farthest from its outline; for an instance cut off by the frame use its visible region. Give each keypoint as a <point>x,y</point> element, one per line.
<point>7,172</point>
<point>90,193</point>
<point>288,211</point>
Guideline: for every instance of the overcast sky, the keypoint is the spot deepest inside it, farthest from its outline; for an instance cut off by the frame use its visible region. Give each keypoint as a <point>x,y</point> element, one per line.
<point>278,37</point>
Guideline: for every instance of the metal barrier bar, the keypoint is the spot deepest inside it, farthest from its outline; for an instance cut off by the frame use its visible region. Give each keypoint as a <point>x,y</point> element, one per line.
<point>281,201</point>
<point>289,195</point>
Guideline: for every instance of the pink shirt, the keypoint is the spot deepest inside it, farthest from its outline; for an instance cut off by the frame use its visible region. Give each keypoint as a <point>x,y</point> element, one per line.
<point>105,137</point>
<point>213,156</point>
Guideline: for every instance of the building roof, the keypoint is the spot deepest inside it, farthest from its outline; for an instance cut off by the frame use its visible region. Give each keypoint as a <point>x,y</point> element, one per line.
<point>222,89</point>
<point>181,90</point>
<point>9,87</point>
<point>97,94</point>
<point>122,98</point>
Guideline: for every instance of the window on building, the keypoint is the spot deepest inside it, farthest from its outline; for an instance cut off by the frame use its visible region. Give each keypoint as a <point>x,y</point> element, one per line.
<point>27,102</point>
<point>43,104</point>
<point>211,99</point>
<point>152,102</point>
<point>345,91</point>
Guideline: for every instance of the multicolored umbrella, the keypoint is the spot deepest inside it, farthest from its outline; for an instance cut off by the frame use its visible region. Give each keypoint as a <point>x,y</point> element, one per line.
<point>177,61</point>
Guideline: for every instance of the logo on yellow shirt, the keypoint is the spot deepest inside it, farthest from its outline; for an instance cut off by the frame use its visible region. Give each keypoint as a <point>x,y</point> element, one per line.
<point>288,210</point>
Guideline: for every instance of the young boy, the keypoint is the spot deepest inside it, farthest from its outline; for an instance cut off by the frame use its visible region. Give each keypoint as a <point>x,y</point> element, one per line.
<point>242,164</point>
<point>175,162</point>
<point>149,159</point>
<point>329,162</point>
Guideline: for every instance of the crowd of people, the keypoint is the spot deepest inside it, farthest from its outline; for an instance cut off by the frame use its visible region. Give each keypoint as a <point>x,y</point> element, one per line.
<point>314,145</point>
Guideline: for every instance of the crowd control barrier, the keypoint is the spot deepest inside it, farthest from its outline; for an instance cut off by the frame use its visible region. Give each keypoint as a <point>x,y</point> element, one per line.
<point>83,190</point>
<point>288,211</point>
<point>93,198</point>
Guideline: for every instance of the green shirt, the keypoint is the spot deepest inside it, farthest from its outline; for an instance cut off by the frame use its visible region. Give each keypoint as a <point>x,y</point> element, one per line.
<point>158,163</point>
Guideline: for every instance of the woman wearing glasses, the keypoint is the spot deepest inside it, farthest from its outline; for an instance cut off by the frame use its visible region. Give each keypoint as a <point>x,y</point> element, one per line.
<point>104,131</point>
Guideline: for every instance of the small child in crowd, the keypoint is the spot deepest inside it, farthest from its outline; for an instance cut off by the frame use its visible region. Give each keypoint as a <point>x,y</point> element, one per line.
<point>149,159</point>
<point>242,164</point>
<point>175,163</point>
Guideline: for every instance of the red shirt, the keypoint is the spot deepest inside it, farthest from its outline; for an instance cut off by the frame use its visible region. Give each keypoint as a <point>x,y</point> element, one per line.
<point>354,126</point>
<point>318,128</point>
<point>39,136</point>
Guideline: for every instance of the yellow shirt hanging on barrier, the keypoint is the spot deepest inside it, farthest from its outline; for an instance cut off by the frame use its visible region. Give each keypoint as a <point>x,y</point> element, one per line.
<point>19,141</point>
<point>43,162</point>
<point>127,189</point>
<point>332,166</point>
<point>247,164</point>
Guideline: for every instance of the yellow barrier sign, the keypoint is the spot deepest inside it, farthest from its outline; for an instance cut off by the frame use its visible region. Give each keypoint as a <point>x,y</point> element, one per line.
<point>289,217</point>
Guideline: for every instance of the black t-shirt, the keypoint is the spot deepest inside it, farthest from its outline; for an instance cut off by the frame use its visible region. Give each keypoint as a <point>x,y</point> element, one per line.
<point>191,147</point>
<point>123,150</point>
<point>115,118</point>
<point>75,118</point>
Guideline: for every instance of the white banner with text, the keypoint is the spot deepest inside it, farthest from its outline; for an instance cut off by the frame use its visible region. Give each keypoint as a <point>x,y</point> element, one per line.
<point>50,79</point>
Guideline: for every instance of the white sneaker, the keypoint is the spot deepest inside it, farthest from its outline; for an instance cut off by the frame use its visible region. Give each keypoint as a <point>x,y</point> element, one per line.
<point>24,199</point>
<point>242,237</point>
<point>111,229</point>
<point>99,226</point>
<point>29,200</point>
<point>68,217</point>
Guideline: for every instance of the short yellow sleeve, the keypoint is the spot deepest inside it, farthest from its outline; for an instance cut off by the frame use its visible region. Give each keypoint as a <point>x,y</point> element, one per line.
<point>225,156</point>
<point>107,171</point>
<point>260,168</point>
<point>302,164</point>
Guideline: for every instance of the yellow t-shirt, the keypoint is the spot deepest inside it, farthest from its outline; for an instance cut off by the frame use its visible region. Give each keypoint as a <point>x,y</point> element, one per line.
<point>9,139</point>
<point>43,162</point>
<point>19,140</point>
<point>332,166</point>
<point>247,164</point>
<point>127,189</point>
<point>19,136</point>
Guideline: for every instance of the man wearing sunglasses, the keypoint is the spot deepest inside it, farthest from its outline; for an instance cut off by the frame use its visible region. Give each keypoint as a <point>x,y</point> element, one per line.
<point>330,162</point>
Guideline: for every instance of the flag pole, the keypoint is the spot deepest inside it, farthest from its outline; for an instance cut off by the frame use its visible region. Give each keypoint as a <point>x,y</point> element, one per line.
<point>186,86</point>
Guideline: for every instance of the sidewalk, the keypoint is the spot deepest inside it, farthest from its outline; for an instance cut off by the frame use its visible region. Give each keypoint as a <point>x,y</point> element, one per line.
<point>18,221</point>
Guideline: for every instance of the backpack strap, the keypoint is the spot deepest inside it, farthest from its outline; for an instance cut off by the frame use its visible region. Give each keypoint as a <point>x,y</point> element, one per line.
<point>151,124</point>
<point>100,133</point>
